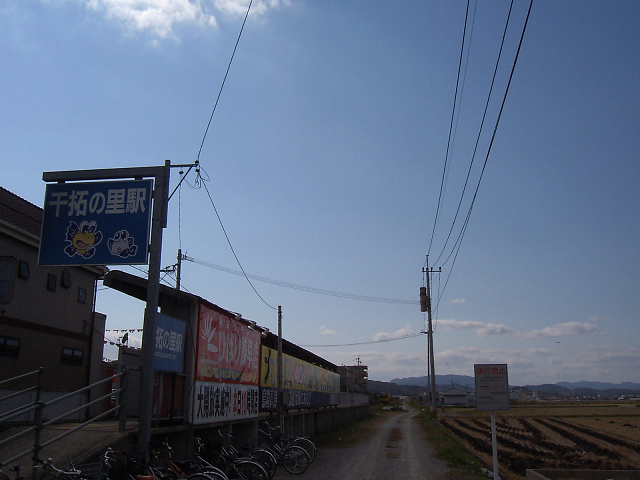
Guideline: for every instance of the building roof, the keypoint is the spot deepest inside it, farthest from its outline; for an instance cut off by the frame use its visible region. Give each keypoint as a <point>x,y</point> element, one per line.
<point>20,213</point>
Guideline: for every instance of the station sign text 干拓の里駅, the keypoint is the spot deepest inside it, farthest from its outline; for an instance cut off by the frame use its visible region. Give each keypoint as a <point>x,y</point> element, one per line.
<point>96,223</point>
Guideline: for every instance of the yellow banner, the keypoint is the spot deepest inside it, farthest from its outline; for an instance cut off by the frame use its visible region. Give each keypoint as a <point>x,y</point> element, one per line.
<point>297,374</point>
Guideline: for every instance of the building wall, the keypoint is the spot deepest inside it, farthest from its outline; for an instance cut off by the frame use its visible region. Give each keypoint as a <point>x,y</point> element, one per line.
<point>48,323</point>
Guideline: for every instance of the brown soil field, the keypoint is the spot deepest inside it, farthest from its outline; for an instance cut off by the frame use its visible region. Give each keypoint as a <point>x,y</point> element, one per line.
<point>581,436</point>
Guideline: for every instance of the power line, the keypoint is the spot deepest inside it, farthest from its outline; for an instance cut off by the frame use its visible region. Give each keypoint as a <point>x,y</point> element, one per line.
<point>223,81</point>
<point>493,136</point>
<point>302,287</point>
<point>204,184</point>
<point>402,337</point>
<point>453,110</point>
<point>484,115</point>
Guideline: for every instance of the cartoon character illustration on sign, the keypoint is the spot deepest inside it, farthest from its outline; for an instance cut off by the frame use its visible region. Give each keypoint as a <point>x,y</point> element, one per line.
<point>122,245</point>
<point>83,238</point>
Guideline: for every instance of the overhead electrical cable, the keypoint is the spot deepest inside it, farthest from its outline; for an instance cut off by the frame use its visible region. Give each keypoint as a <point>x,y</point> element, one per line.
<point>223,81</point>
<point>204,184</point>
<point>402,337</point>
<point>493,136</point>
<point>302,287</point>
<point>484,115</point>
<point>453,111</point>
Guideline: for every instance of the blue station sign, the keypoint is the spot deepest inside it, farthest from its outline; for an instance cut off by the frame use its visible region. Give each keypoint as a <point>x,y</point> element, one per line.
<point>96,223</point>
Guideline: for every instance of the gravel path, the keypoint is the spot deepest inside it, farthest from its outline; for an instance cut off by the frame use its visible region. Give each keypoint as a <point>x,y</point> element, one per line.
<point>396,451</point>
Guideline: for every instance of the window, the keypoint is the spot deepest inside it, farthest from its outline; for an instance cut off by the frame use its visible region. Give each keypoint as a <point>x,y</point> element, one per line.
<point>23,269</point>
<point>65,279</point>
<point>82,295</point>
<point>9,346</point>
<point>72,356</point>
<point>7,275</point>
<point>52,280</point>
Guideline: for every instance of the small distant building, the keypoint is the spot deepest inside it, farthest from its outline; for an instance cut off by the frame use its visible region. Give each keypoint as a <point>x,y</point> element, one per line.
<point>457,396</point>
<point>353,378</point>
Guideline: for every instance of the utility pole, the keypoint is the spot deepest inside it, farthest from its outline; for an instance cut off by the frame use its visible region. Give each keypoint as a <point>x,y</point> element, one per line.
<point>280,382</point>
<point>178,269</point>
<point>425,306</point>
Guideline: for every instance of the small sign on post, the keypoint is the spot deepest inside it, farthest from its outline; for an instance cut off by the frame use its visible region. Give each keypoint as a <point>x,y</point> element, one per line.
<point>492,393</point>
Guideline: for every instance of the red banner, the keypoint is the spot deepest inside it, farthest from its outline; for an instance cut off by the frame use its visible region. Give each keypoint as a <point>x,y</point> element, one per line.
<point>228,351</point>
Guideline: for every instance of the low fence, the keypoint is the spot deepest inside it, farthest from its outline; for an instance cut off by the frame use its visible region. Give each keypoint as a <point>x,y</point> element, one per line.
<point>35,411</point>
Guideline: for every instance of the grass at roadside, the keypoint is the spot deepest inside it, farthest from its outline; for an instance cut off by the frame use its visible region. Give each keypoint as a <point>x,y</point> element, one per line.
<point>450,451</point>
<point>355,432</point>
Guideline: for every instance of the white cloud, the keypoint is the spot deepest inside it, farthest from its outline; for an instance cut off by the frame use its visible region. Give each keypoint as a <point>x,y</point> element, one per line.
<point>482,329</point>
<point>539,351</point>
<point>563,330</point>
<point>239,7</point>
<point>458,325</point>
<point>160,17</point>
<point>387,336</point>
<point>459,300</point>
<point>327,332</point>
<point>493,329</point>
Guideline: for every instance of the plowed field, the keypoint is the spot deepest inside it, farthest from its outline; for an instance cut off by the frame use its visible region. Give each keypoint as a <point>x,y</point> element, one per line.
<point>586,437</point>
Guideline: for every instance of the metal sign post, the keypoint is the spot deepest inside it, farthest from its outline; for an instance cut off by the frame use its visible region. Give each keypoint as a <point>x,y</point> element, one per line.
<point>158,223</point>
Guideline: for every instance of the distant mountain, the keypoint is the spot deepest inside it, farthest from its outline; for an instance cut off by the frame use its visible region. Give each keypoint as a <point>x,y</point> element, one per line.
<point>600,385</point>
<point>549,388</point>
<point>415,385</point>
<point>444,380</point>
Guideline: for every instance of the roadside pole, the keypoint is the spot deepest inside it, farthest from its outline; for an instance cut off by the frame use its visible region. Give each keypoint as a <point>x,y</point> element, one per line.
<point>158,224</point>
<point>425,306</point>
<point>279,367</point>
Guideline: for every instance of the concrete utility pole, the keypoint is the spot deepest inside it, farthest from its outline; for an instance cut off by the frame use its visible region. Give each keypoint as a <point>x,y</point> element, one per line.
<point>425,306</point>
<point>280,379</point>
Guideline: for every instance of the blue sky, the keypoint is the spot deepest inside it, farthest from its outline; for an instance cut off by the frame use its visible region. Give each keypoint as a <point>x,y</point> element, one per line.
<point>325,156</point>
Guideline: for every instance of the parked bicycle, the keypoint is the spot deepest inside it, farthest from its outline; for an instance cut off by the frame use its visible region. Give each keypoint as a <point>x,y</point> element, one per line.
<point>121,466</point>
<point>275,435</point>
<point>293,458</point>
<point>51,472</point>
<point>16,472</point>
<point>185,469</point>
<point>262,456</point>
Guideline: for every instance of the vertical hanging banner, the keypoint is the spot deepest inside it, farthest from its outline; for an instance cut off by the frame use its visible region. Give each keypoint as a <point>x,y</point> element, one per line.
<point>169,351</point>
<point>227,358</point>
<point>96,223</point>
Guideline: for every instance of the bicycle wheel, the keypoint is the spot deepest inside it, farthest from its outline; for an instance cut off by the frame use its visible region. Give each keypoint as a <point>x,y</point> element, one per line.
<point>267,460</point>
<point>48,476</point>
<point>208,475</point>
<point>295,460</point>
<point>250,470</point>
<point>307,445</point>
<point>214,472</point>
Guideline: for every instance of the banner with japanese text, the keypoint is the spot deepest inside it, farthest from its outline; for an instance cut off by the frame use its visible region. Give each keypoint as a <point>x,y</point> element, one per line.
<point>306,385</point>
<point>96,223</point>
<point>228,351</point>
<point>217,402</point>
<point>169,349</point>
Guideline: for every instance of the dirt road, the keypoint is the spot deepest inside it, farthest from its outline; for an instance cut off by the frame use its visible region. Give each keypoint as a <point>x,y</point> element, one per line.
<point>396,451</point>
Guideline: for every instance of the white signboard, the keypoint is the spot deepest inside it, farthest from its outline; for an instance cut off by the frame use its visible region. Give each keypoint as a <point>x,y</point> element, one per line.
<point>218,402</point>
<point>492,387</point>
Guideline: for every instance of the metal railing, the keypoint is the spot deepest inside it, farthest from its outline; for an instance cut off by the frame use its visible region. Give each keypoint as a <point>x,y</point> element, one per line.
<point>38,406</point>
